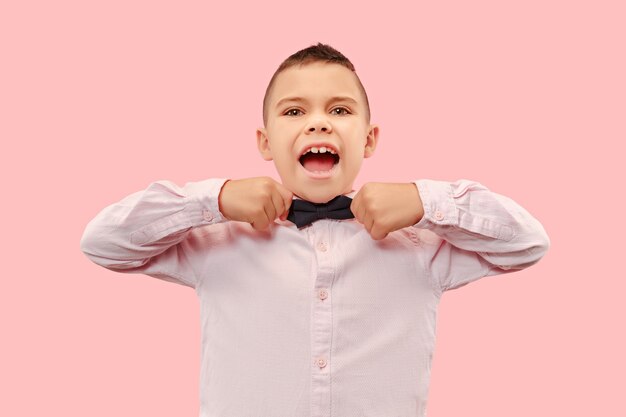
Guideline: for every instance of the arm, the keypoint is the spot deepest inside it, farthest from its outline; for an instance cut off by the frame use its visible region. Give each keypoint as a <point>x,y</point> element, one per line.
<point>142,233</point>
<point>478,232</point>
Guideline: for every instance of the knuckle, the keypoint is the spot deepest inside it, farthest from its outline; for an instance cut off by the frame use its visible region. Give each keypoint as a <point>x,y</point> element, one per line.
<point>265,191</point>
<point>265,183</point>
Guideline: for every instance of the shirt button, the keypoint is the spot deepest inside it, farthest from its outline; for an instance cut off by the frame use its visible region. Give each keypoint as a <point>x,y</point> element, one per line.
<point>439,215</point>
<point>321,362</point>
<point>206,214</point>
<point>322,246</point>
<point>323,294</point>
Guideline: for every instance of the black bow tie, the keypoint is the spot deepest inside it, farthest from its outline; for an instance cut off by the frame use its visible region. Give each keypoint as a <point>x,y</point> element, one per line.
<point>303,212</point>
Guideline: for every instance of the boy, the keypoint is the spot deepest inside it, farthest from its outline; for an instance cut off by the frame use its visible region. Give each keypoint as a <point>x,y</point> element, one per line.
<point>313,309</point>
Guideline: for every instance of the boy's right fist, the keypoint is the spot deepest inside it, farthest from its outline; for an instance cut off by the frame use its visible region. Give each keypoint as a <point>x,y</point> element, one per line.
<point>258,201</point>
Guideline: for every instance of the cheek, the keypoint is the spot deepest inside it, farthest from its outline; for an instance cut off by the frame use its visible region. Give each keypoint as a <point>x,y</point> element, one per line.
<point>354,157</point>
<point>286,127</point>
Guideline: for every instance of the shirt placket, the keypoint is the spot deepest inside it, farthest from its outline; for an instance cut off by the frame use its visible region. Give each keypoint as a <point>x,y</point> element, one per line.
<point>321,321</point>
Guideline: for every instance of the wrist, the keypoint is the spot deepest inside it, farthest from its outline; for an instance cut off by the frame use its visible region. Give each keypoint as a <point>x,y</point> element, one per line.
<point>420,205</point>
<point>219,199</point>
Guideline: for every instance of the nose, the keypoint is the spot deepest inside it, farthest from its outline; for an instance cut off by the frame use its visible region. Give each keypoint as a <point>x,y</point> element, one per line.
<point>318,124</point>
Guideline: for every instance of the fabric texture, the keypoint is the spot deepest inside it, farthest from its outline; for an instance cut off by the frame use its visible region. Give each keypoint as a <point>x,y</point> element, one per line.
<point>319,321</point>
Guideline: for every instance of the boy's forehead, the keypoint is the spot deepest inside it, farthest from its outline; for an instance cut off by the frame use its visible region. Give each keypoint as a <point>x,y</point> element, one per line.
<point>318,79</point>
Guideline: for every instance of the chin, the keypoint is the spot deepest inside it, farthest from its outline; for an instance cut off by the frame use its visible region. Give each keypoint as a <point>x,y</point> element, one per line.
<point>320,196</point>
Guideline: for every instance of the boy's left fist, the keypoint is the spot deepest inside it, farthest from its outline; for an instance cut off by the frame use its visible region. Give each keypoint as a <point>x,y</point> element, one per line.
<point>385,207</point>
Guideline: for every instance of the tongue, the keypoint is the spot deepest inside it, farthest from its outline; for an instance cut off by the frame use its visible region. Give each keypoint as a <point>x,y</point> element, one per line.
<point>318,161</point>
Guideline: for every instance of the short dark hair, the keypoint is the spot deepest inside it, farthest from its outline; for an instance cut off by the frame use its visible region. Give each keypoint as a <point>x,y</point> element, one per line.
<point>314,53</point>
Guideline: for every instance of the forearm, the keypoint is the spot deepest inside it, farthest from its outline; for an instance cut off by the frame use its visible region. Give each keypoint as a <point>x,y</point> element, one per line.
<point>471,217</point>
<point>129,233</point>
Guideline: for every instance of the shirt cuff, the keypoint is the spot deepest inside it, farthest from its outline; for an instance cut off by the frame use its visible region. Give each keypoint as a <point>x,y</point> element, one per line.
<point>203,201</point>
<point>438,202</point>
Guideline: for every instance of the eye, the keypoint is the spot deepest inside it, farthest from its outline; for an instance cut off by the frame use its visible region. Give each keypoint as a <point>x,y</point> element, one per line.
<point>341,108</point>
<point>288,112</point>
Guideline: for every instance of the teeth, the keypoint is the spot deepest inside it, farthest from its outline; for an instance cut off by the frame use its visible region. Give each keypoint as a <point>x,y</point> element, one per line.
<point>321,149</point>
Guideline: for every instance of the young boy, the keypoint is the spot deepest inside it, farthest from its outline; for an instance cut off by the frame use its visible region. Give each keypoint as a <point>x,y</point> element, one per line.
<point>313,309</point>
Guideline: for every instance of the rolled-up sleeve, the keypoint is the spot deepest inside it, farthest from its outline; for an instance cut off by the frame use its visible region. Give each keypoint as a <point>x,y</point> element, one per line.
<point>142,233</point>
<point>469,232</point>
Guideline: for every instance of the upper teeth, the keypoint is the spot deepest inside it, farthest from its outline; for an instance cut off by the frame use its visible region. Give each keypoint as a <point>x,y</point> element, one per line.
<point>322,149</point>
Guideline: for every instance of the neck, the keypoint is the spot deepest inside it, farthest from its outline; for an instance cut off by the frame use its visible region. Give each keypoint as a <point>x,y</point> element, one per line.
<point>346,194</point>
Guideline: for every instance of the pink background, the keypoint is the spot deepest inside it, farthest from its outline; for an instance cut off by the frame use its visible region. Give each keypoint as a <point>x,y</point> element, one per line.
<point>98,99</point>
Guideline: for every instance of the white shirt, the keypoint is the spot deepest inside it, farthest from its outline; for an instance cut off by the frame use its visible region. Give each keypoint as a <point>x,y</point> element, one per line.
<point>323,321</point>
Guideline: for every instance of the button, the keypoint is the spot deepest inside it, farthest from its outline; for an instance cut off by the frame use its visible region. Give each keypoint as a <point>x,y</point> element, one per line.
<point>321,362</point>
<point>322,246</point>
<point>323,294</point>
<point>439,215</point>
<point>207,215</point>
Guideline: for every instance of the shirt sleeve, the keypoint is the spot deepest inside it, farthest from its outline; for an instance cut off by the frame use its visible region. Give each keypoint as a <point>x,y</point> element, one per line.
<point>145,231</point>
<point>469,232</point>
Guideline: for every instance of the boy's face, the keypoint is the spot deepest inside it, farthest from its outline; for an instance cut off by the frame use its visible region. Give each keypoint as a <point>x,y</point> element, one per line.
<point>318,118</point>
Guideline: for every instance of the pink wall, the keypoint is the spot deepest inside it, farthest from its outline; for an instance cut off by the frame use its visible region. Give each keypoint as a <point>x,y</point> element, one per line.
<point>98,99</point>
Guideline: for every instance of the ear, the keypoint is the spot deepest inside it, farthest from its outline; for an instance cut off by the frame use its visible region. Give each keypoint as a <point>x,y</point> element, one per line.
<point>372,141</point>
<point>263,144</point>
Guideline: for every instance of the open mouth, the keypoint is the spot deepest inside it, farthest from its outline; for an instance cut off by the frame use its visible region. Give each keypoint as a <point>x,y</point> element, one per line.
<point>319,162</point>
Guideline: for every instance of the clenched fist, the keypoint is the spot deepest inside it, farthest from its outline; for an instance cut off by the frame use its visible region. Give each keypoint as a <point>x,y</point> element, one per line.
<point>384,207</point>
<point>258,201</point>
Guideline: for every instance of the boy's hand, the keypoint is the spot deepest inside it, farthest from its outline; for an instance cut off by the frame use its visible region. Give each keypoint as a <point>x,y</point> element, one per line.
<point>385,207</point>
<point>258,201</point>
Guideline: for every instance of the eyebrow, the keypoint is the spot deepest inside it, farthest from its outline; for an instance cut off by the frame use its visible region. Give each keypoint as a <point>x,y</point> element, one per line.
<point>304,100</point>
